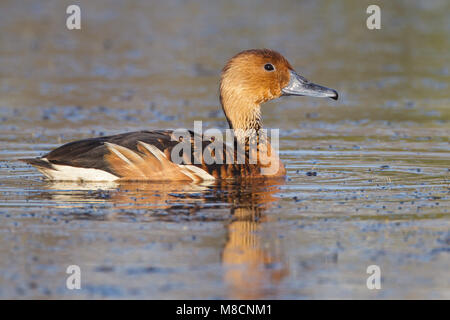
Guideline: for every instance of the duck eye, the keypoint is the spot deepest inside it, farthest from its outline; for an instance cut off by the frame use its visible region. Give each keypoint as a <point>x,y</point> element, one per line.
<point>269,67</point>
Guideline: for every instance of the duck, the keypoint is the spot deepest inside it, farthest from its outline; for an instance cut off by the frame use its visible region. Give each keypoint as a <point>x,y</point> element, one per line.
<point>249,79</point>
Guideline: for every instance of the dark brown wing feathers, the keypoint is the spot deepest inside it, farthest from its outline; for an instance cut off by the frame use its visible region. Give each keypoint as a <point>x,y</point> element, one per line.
<point>90,153</point>
<point>97,153</point>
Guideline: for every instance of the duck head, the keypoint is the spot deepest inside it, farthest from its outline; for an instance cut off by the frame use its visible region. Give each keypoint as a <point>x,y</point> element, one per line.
<point>255,76</point>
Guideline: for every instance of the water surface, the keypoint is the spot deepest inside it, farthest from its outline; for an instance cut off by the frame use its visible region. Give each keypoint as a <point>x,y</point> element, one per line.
<point>368,175</point>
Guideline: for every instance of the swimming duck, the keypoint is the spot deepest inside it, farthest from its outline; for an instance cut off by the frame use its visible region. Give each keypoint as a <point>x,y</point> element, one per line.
<point>249,79</point>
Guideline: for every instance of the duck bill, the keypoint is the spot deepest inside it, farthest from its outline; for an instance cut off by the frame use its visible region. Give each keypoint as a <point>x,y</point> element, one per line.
<point>299,86</point>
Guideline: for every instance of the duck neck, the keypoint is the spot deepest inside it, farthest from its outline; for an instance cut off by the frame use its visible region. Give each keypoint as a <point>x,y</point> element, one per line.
<point>242,115</point>
<point>245,120</point>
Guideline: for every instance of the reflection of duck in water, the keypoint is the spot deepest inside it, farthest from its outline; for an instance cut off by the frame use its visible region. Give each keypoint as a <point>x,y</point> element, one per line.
<point>132,195</point>
<point>249,79</point>
<point>252,262</point>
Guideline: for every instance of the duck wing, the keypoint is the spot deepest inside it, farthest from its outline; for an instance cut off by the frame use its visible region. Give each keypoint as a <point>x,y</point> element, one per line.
<point>142,155</point>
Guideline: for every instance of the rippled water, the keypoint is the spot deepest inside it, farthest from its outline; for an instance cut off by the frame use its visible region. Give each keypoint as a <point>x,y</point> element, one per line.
<point>368,175</point>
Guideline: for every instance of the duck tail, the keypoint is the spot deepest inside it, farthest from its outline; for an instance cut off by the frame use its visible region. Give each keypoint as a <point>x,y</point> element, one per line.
<point>38,162</point>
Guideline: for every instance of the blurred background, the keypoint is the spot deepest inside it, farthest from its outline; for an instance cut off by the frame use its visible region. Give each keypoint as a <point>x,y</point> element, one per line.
<point>368,175</point>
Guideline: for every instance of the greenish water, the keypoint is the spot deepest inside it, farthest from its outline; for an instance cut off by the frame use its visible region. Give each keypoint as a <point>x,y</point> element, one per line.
<point>368,175</point>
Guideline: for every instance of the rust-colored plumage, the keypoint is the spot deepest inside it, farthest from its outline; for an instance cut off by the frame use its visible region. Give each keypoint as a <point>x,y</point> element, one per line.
<point>245,85</point>
<point>249,79</point>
